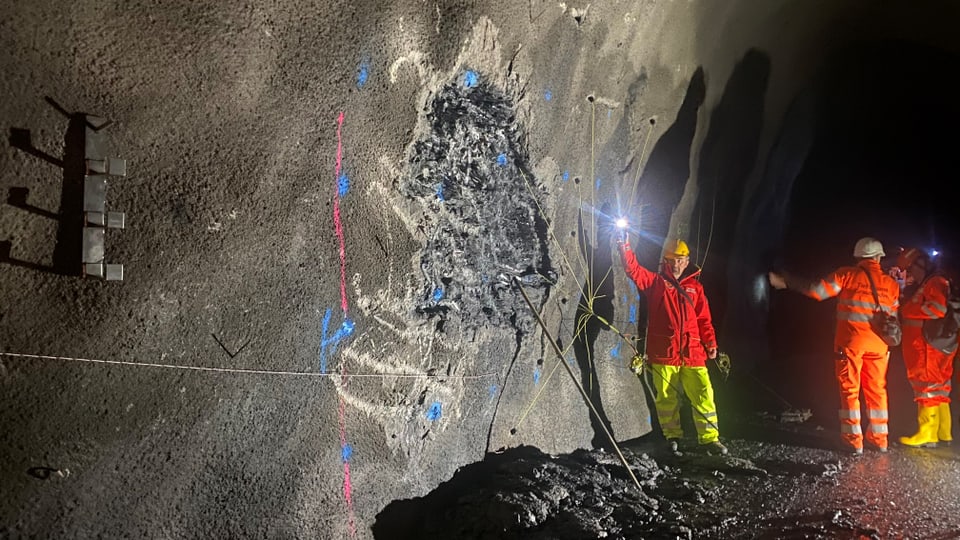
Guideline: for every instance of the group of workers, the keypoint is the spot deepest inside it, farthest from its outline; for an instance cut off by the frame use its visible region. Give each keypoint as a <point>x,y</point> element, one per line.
<point>681,337</point>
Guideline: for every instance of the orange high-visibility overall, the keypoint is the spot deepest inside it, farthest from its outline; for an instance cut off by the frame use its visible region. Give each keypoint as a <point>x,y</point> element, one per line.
<point>862,356</point>
<point>929,370</point>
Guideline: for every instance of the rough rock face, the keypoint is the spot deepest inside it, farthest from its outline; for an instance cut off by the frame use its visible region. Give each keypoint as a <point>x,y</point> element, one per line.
<point>524,493</point>
<point>481,207</point>
<point>306,332</point>
<point>783,481</point>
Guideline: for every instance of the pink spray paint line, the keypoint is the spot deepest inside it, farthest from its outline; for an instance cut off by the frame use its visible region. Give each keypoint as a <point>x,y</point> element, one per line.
<point>337,222</point>
<point>347,486</point>
<point>338,225</point>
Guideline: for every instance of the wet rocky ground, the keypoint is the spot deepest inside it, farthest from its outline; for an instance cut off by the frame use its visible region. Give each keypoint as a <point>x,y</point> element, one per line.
<point>783,479</point>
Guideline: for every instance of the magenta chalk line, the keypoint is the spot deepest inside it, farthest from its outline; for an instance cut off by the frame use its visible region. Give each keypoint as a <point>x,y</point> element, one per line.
<point>337,222</point>
<point>338,226</point>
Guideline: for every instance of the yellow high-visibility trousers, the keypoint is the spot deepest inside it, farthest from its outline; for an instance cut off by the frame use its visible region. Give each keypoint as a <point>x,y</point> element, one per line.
<point>668,382</point>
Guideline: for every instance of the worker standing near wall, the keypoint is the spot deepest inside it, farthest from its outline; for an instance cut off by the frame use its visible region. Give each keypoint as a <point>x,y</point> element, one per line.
<point>862,355</point>
<point>929,369</point>
<point>680,339</point>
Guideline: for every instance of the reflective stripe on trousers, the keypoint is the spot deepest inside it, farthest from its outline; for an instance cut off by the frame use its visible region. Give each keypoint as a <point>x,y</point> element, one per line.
<point>695,383</point>
<point>866,370</point>
<point>931,394</point>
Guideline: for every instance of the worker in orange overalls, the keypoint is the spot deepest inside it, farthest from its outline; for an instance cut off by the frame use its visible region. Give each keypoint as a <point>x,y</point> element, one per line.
<point>930,370</point>
<point>680,339</point>
<point>862,355</point>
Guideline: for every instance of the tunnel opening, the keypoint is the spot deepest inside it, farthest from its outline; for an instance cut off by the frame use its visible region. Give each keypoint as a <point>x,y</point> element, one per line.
<point>880,164</point>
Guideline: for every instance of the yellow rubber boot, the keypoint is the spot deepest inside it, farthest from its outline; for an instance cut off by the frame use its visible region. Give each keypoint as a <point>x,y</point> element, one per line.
<point>943,433</point>
<point>926,436</point>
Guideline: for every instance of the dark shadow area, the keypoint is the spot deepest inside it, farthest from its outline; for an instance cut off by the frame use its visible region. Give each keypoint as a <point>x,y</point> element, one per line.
<point>43,473</point>
<point>665,175</point>
<point>17,197</point>
<point>727,157</point>
<point>67,250</point>
<point>21,140</point>
<point>744,333</point>
<point>599,287</point>
<point>659,191</point>
<point>6,257</point>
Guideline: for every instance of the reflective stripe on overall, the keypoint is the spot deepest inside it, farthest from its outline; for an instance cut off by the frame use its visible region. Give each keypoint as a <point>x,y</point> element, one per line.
<point>854,367</point>
<point>695,382</point>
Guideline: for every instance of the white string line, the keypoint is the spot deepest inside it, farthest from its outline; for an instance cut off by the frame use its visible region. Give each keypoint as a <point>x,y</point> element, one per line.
<point>247,371</point>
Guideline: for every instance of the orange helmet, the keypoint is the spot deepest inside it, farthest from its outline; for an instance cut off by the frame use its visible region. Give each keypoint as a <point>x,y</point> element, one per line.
<point>909,256</point>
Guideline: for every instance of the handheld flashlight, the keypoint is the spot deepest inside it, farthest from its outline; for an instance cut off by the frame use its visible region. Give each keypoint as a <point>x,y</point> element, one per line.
<point>621,224</point>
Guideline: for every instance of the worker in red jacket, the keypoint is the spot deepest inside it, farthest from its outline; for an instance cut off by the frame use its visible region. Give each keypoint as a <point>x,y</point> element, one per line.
<point>680,338</point>
<point>862,355</point>
<point>929,369</point>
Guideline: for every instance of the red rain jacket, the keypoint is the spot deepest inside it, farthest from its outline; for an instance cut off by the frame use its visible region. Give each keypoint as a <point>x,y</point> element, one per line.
<point>679,331</point>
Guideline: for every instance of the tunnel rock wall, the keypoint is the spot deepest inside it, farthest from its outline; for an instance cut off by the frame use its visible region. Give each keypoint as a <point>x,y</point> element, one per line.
<point>327,205</point>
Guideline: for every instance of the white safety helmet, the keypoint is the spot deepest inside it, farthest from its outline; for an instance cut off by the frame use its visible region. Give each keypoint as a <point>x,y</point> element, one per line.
<point>868,248</point>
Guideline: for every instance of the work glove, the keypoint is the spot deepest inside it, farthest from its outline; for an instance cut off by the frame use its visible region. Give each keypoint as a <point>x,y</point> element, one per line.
<point>723,364</point>
<point>636,365</point>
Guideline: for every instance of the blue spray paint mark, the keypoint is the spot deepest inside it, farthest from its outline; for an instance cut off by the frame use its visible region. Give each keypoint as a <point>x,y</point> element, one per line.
<point>343,185</point>
<point>493,391</point>
<point>363,73</point>
<point>633,314</point>
<point>536,375</point>
<point>440,192</point>
<point>566,175</point>
<point>548,95</point>
<point>346,452</point>
<point>572,361</point>
<point>470,79</point>
<point>598,183</point>
<point>345,330</point>
<point>323,341</point>
<point>615,352</point>
<point>435,411</point>
<point>438,294</point>
<point>502,160</point>
<point>609,112</point>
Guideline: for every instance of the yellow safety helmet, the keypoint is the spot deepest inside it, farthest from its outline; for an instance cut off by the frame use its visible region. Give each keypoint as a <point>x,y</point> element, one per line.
<point>675,249</point>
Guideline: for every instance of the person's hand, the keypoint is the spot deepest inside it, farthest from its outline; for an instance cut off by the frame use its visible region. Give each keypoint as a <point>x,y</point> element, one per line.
<point>623,242</point>
<point>777,281</point>
<point>712,353</point>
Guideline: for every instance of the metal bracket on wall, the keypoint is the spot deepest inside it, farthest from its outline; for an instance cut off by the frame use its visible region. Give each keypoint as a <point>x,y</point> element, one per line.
<point>96,219</point>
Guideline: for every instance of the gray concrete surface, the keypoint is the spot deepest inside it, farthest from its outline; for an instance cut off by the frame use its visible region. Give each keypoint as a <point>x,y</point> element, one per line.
<point>209,394</point>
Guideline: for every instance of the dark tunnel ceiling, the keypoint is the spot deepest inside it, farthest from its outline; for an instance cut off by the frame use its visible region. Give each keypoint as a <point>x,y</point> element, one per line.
<point>883,159</point>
